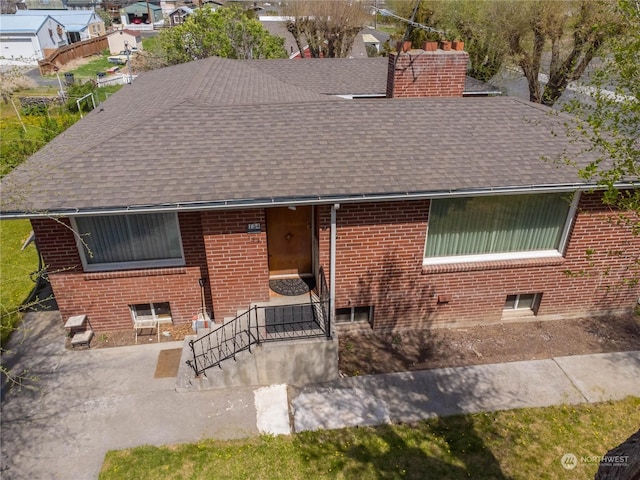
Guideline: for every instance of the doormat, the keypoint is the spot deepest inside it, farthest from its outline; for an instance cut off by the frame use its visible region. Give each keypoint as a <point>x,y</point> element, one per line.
<point>292,287</point>
<point>168,363</point>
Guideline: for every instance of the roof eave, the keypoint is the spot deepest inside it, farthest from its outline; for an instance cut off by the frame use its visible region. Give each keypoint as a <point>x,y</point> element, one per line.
<point>235,204</point>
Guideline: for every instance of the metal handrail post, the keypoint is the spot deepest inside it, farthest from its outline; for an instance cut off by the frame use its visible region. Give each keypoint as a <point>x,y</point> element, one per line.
<point>255,312</point>
<point>195,360</point>
<point>249,331</point>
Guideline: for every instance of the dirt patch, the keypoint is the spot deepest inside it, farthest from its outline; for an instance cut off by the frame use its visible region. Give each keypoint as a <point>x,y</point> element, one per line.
<point>122,338</point>
<point>365,353</point>
<point>368,352</point>
<point>77,62</point>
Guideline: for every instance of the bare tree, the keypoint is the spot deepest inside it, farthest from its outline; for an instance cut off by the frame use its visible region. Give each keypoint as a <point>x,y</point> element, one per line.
<point>573,32</point>
<point>327,28</point>
<point>8,6</point>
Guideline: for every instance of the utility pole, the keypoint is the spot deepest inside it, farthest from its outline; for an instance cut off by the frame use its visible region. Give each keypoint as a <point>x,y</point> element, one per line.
<point>61,92</point>
<point>128,50</point>
<point>149,19</point>
<point>375,13</point>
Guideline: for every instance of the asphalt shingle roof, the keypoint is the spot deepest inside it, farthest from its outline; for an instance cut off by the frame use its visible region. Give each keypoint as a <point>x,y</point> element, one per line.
<point>222,130</point>
<point>339,76</point>
<point>330,76</point>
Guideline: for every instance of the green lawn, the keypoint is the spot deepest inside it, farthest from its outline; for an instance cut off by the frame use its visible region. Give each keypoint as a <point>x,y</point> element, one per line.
<point>89,70</point>
<point>152,45</point>
<point>519,444</point>
<point>15,269</point>
<point>21,137</point>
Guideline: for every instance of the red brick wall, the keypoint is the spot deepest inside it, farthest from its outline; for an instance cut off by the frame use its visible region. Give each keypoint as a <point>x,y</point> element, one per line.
<point>57,244</point>
<point>379,263</point>
<point>105,296</point>
<point>379,257</point>
<point>427,74</point>
<point>238,263</point>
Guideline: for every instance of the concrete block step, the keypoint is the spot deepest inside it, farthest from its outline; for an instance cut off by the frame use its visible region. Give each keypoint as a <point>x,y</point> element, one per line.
<point>231,373</point>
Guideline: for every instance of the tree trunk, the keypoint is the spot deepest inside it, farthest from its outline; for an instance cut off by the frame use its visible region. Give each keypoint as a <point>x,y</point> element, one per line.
<point>293,29</point>
<point>570,70</point>
<point>530,65</point>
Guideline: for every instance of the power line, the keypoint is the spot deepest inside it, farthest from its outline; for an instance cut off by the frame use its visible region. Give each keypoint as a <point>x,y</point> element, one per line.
<point>412,23</point>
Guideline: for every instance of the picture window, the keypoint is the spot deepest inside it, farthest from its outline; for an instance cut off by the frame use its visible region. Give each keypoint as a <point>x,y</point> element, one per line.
<point>497,227</point>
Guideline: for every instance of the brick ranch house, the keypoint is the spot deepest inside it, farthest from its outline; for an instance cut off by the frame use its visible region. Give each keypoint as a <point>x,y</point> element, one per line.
<point>432,209</point>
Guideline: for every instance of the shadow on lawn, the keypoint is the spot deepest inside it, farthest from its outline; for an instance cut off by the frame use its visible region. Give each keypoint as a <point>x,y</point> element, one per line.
<point>440,448</point>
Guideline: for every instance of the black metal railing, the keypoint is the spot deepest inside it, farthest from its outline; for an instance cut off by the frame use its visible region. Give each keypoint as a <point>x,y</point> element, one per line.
<point>263,324</point>
<point>225,342</point>
<point>324,296</point>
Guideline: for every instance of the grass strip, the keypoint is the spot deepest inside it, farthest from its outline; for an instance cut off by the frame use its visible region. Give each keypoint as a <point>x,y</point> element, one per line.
<point>16,266</point>
<point>516,444</point>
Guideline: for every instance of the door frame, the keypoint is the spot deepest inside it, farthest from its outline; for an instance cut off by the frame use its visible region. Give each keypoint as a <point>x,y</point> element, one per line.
<point>314,243</point>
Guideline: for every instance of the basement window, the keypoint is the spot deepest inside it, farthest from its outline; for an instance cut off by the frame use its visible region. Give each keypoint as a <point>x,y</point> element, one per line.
<point>523,302</point>
<point>354,315</point>
<point>160,312</point>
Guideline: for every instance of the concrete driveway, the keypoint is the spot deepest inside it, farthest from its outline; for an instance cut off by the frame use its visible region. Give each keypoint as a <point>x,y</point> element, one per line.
<point>80,404</point>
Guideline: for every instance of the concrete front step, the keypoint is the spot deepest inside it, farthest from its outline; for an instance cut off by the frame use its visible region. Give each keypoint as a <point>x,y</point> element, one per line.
<point>294,362</point>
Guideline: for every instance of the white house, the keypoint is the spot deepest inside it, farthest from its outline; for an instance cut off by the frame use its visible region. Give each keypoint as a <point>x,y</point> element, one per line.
<point>78,24</point>
<point>120,39</point>
<point>30,38</point>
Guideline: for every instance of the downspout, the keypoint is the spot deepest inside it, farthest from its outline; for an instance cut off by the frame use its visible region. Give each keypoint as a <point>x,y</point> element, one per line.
<point>332,265</point>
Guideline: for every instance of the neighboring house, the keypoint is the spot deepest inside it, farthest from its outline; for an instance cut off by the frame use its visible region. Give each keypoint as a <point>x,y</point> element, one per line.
<point>82,4</point>
<point>113,7</point>
<point>371,42</point>
<point>178,16</point>
<point>141,14</point>
<point>29,39</point>
<point>420,211</point>
<point>78,24</point>
<point>44,4</point>
<point>213,4</point>
<point>121,39</point>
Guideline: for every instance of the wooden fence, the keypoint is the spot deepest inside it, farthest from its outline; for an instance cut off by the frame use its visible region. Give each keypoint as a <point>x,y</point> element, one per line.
<point>65,54</point>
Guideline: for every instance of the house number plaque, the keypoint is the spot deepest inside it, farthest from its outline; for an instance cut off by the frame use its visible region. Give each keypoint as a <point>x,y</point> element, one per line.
<point>253,228</point>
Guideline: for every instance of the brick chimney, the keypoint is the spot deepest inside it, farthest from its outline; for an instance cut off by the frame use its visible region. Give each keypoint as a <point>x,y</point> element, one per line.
<point>420,73</point>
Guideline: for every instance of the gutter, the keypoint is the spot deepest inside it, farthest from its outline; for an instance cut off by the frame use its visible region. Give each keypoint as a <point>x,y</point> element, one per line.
<point>300,201</point>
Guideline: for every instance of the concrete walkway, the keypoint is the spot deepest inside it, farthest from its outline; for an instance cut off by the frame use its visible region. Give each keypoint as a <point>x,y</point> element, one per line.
<point>83,403</point>
<point>414,396</point>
